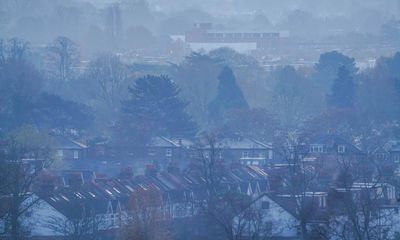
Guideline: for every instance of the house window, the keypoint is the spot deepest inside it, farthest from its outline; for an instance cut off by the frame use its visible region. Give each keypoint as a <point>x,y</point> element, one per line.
<point>168,152</point>
<point>60,153</point>
<point>341,149</point>
<point>391,192</point>
<point>322,202</point>
<point>396,158</point>
<point>381,155</point>
<point>268,228</point>
<point>151,152</point>
<point>265,205</point>
<point>245,154</point>
<point>316,148</point>
<point>270,154</point>
<point>76,154</point>
<point>220,155</point>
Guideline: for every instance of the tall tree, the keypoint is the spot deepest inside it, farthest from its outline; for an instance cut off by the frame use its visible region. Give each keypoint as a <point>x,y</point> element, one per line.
<point>154,100</point>
<point>294,96</point>
<point>197,77</point>
<point>20,84</point>
<point>360,200</point>
<point>108,77</point>
<point>229,96</point>
<point>252,78</point>
<point>300,179</point>
<point>343,89</point>
<point>65,54</point>
<point>113,24</point>
<point>146,220</point>
<point>51,111</point>
<point>19,174</point>
<point>327,68</point>
<point>379,88</point>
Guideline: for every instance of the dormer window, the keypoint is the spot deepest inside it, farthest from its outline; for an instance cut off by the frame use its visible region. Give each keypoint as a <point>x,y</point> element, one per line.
<point>341,148</point>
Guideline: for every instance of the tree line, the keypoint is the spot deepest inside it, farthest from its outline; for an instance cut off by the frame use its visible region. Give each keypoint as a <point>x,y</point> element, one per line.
<point>222,91</point>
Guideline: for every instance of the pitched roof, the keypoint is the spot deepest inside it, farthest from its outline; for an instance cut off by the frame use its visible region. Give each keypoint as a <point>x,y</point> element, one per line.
<point>66,143</point>
<point>331,141</point>
<point>241,143</point>
<point>170,142</point>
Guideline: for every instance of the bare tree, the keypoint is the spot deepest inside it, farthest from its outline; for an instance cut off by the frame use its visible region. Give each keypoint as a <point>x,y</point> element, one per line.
<point>254,223</point>
<point>224,206</point>
<point>27,153</point>
<point>197,76</point>
<point>300,179</point>
<point>65,54</point>
<point>358,201</point>
<point>84,225</point>
<point>17,49</point>
<point>109,77</point>
<point>146,219</point>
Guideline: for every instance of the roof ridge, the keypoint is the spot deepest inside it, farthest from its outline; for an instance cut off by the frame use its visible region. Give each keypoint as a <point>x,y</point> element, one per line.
<point>170,141</point>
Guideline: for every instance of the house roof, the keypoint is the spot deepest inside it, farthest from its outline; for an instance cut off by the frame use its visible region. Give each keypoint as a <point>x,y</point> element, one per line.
<point>170,142</point>
<point>66,143</point>
<point>97,193</point>
<point>241,143</point>
<point>73,203</point>
<point>392,146</point>
<point>331,141</point>
<point>313,213</point>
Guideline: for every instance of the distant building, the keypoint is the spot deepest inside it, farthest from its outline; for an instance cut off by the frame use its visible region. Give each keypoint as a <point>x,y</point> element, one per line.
<point>244,151</point>
<point>163,150</point>
<point>390,151</point>
<point>68,149</point>
<point>85,201</point>
<point>203,37</point>
<point>267,219</point>
<point>330,144</point>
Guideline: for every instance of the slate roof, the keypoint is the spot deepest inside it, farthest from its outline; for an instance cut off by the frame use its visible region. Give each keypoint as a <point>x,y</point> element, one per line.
<point>98,193</point>
<point>392,146</point>
<point>68,144</point>
<point>170,142</point>
<point>241,143</point>
<point>331,141</point>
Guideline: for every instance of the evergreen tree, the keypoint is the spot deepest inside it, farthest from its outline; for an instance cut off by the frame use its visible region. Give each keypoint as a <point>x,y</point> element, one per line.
<point>229,96</point>
<point>342,90</point>
<point>327,68</point>
<point>51,111</point>
<point>155,104</point>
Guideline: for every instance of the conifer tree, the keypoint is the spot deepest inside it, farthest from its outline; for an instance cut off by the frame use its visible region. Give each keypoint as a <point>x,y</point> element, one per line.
<point>342,95</point>
<point>154,101</point>
<point>229,96</point>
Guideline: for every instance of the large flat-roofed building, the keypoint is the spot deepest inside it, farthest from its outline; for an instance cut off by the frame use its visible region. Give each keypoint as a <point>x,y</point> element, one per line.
<point>203,37</point>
